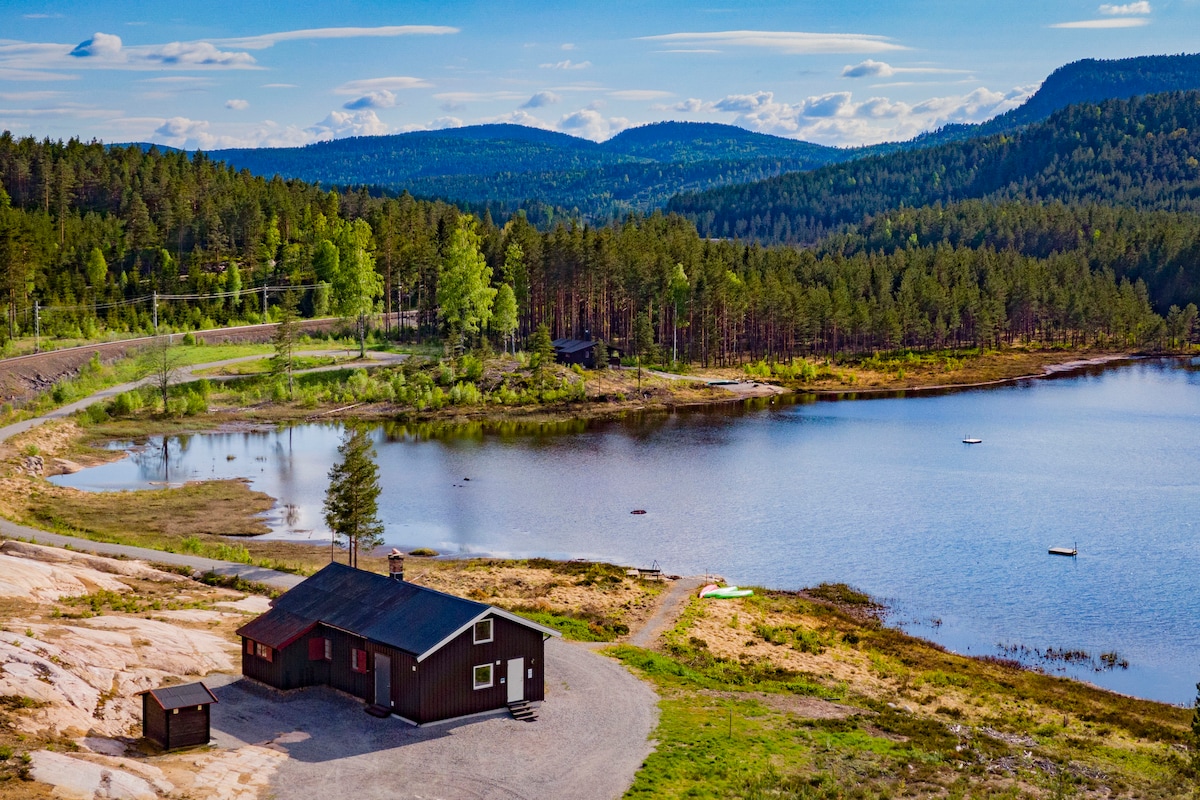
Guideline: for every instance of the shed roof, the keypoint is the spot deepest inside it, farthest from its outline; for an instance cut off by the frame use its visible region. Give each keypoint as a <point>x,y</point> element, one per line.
<point>411,618</point>
<point>182,696</point>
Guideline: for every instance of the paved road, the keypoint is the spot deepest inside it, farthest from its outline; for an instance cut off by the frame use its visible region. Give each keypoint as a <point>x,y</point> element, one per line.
<point>185,374</point>
<point>592,735</point>
<point>270,577</point>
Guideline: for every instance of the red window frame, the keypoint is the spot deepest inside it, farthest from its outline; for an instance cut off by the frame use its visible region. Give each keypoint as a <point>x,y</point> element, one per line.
<point>358,660</point>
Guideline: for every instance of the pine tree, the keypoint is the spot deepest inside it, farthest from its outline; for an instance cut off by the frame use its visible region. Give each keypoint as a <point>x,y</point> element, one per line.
<point>600,360</point>
<point>284,340</point>
<point>543,349</point>
<point>643,341</point>
<point>352,500</point>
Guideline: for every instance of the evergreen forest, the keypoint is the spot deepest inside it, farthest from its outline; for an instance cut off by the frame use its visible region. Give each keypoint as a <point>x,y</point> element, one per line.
<point>1091,239</point>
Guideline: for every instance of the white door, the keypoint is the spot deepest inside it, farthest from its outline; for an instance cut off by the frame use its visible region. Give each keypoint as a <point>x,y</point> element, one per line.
<point>516,679</point>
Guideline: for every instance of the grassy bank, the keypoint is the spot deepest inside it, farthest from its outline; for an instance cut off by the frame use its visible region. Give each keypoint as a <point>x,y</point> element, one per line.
<point>794,696</point>
<point>909,370</point>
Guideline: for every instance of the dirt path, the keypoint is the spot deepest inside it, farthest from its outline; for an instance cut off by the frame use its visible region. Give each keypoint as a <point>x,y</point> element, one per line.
<point>669,608</point>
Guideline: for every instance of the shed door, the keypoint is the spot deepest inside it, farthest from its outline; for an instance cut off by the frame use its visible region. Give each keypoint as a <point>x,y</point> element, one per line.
<point>516,679</point>
<point>383,680</point>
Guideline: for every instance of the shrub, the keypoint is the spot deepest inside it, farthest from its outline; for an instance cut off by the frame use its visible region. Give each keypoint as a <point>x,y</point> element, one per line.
<point>194,403</point>
<point>470,367</point>
<point>126,403</point>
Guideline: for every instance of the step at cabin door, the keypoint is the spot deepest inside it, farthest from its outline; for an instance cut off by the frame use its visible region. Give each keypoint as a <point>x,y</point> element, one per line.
<point>383,680</point>
<point>516,680</point>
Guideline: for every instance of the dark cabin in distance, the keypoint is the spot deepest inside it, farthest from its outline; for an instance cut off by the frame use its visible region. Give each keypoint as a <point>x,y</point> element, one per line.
<point>582,352</point>
<point>420,654</point>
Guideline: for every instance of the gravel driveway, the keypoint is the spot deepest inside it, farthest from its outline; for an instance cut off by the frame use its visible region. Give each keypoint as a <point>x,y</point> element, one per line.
<point>590,739</point>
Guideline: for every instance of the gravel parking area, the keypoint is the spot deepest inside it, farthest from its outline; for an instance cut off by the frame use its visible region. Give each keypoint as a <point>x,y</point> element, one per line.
<point>590,739</point>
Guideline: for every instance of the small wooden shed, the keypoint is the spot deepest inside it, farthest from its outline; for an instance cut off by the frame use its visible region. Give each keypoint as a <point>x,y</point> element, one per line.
<point>177,716</point>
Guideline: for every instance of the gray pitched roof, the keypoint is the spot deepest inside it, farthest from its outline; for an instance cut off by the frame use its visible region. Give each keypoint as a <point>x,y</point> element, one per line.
<point>399,614</point>
<point>188,694</point>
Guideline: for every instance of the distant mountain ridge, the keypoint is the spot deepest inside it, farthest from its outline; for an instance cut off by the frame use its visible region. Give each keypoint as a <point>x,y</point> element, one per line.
<point>504,167</point>
<point>1139,153</point>
<point>507,165</point>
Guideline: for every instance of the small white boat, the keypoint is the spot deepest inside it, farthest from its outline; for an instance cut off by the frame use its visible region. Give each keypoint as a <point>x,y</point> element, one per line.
<point>970,440</point>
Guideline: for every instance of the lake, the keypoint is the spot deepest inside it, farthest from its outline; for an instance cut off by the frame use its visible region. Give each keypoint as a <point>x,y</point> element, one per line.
<point>881,494</point>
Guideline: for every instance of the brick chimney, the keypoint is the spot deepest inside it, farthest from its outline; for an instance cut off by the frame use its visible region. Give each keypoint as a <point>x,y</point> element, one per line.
<point>396,565</point>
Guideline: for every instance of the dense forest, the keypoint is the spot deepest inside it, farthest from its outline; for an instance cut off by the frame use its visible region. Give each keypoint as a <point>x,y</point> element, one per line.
<point>1140,153</point>
<point>1088,80</point>
<point>94,238</point>
<point>511,167</point>
<point>549,175</point>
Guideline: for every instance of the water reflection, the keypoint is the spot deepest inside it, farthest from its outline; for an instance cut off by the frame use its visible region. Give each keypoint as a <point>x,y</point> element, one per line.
<point>881,494</point>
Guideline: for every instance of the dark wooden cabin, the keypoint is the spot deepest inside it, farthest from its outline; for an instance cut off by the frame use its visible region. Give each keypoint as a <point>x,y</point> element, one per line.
<point>177,716</point>
<point>421,654</point>
<point>582,352</point>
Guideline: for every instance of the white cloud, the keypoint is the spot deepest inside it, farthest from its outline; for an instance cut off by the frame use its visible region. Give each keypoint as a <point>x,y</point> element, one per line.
<point>68,110</point>
<point>41,16</point>
<point>568,46</point>
<point>568,64</point>
<point>541,99</point>
<point>591,124</point>
<point>28,97</point>
<point>280,86</point>
<point>391,84</point>
<point>837,119</point>
<point>688,50</point>
<point>381,98</point>
<point>639,94</point>
<point>237,105</point>
<point>9,74</point>
<point>869,68</point>
<point>517,118</point>
<point>263,41</point>
<point>196,54</point>
<point>339,125</point>
<point>879,69</point>
<point>1112,22</point>
<point>1129,9</point>
<point>101,45</point>
<point>790,42</point>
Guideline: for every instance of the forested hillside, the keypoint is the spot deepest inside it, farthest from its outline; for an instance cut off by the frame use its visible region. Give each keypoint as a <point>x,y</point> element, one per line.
<point>511,167</point>
<point>1140,153</point>
<point>1089,80</point>
<point>91,233</point>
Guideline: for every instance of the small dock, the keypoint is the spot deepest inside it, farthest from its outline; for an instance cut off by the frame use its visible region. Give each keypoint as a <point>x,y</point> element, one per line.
<point>1064,551</point>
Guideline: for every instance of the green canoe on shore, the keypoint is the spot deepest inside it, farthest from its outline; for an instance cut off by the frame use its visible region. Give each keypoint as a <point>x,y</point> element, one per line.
<point>728,592</point>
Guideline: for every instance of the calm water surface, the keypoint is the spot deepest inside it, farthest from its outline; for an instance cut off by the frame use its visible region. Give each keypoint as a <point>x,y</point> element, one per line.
<point>880,494</point>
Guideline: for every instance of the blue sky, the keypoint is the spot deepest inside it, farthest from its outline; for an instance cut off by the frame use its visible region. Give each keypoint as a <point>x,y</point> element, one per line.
<point>210,75</point>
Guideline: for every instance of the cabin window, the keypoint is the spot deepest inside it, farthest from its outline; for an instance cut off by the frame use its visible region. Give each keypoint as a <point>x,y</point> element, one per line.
<point>249,647</point>
<point>320,650</point>
<point>358,660</point>
<point>263,651</point>
<point>483,632</point>
<point>483,676</point>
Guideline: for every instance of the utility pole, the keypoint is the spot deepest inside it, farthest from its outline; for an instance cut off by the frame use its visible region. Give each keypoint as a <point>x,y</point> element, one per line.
<point>37,327</point>
<point>264,302</point>
<point>156,313</point>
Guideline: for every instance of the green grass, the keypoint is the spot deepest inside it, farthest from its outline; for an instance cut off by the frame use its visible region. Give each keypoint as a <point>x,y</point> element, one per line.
<point>940,725</point>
